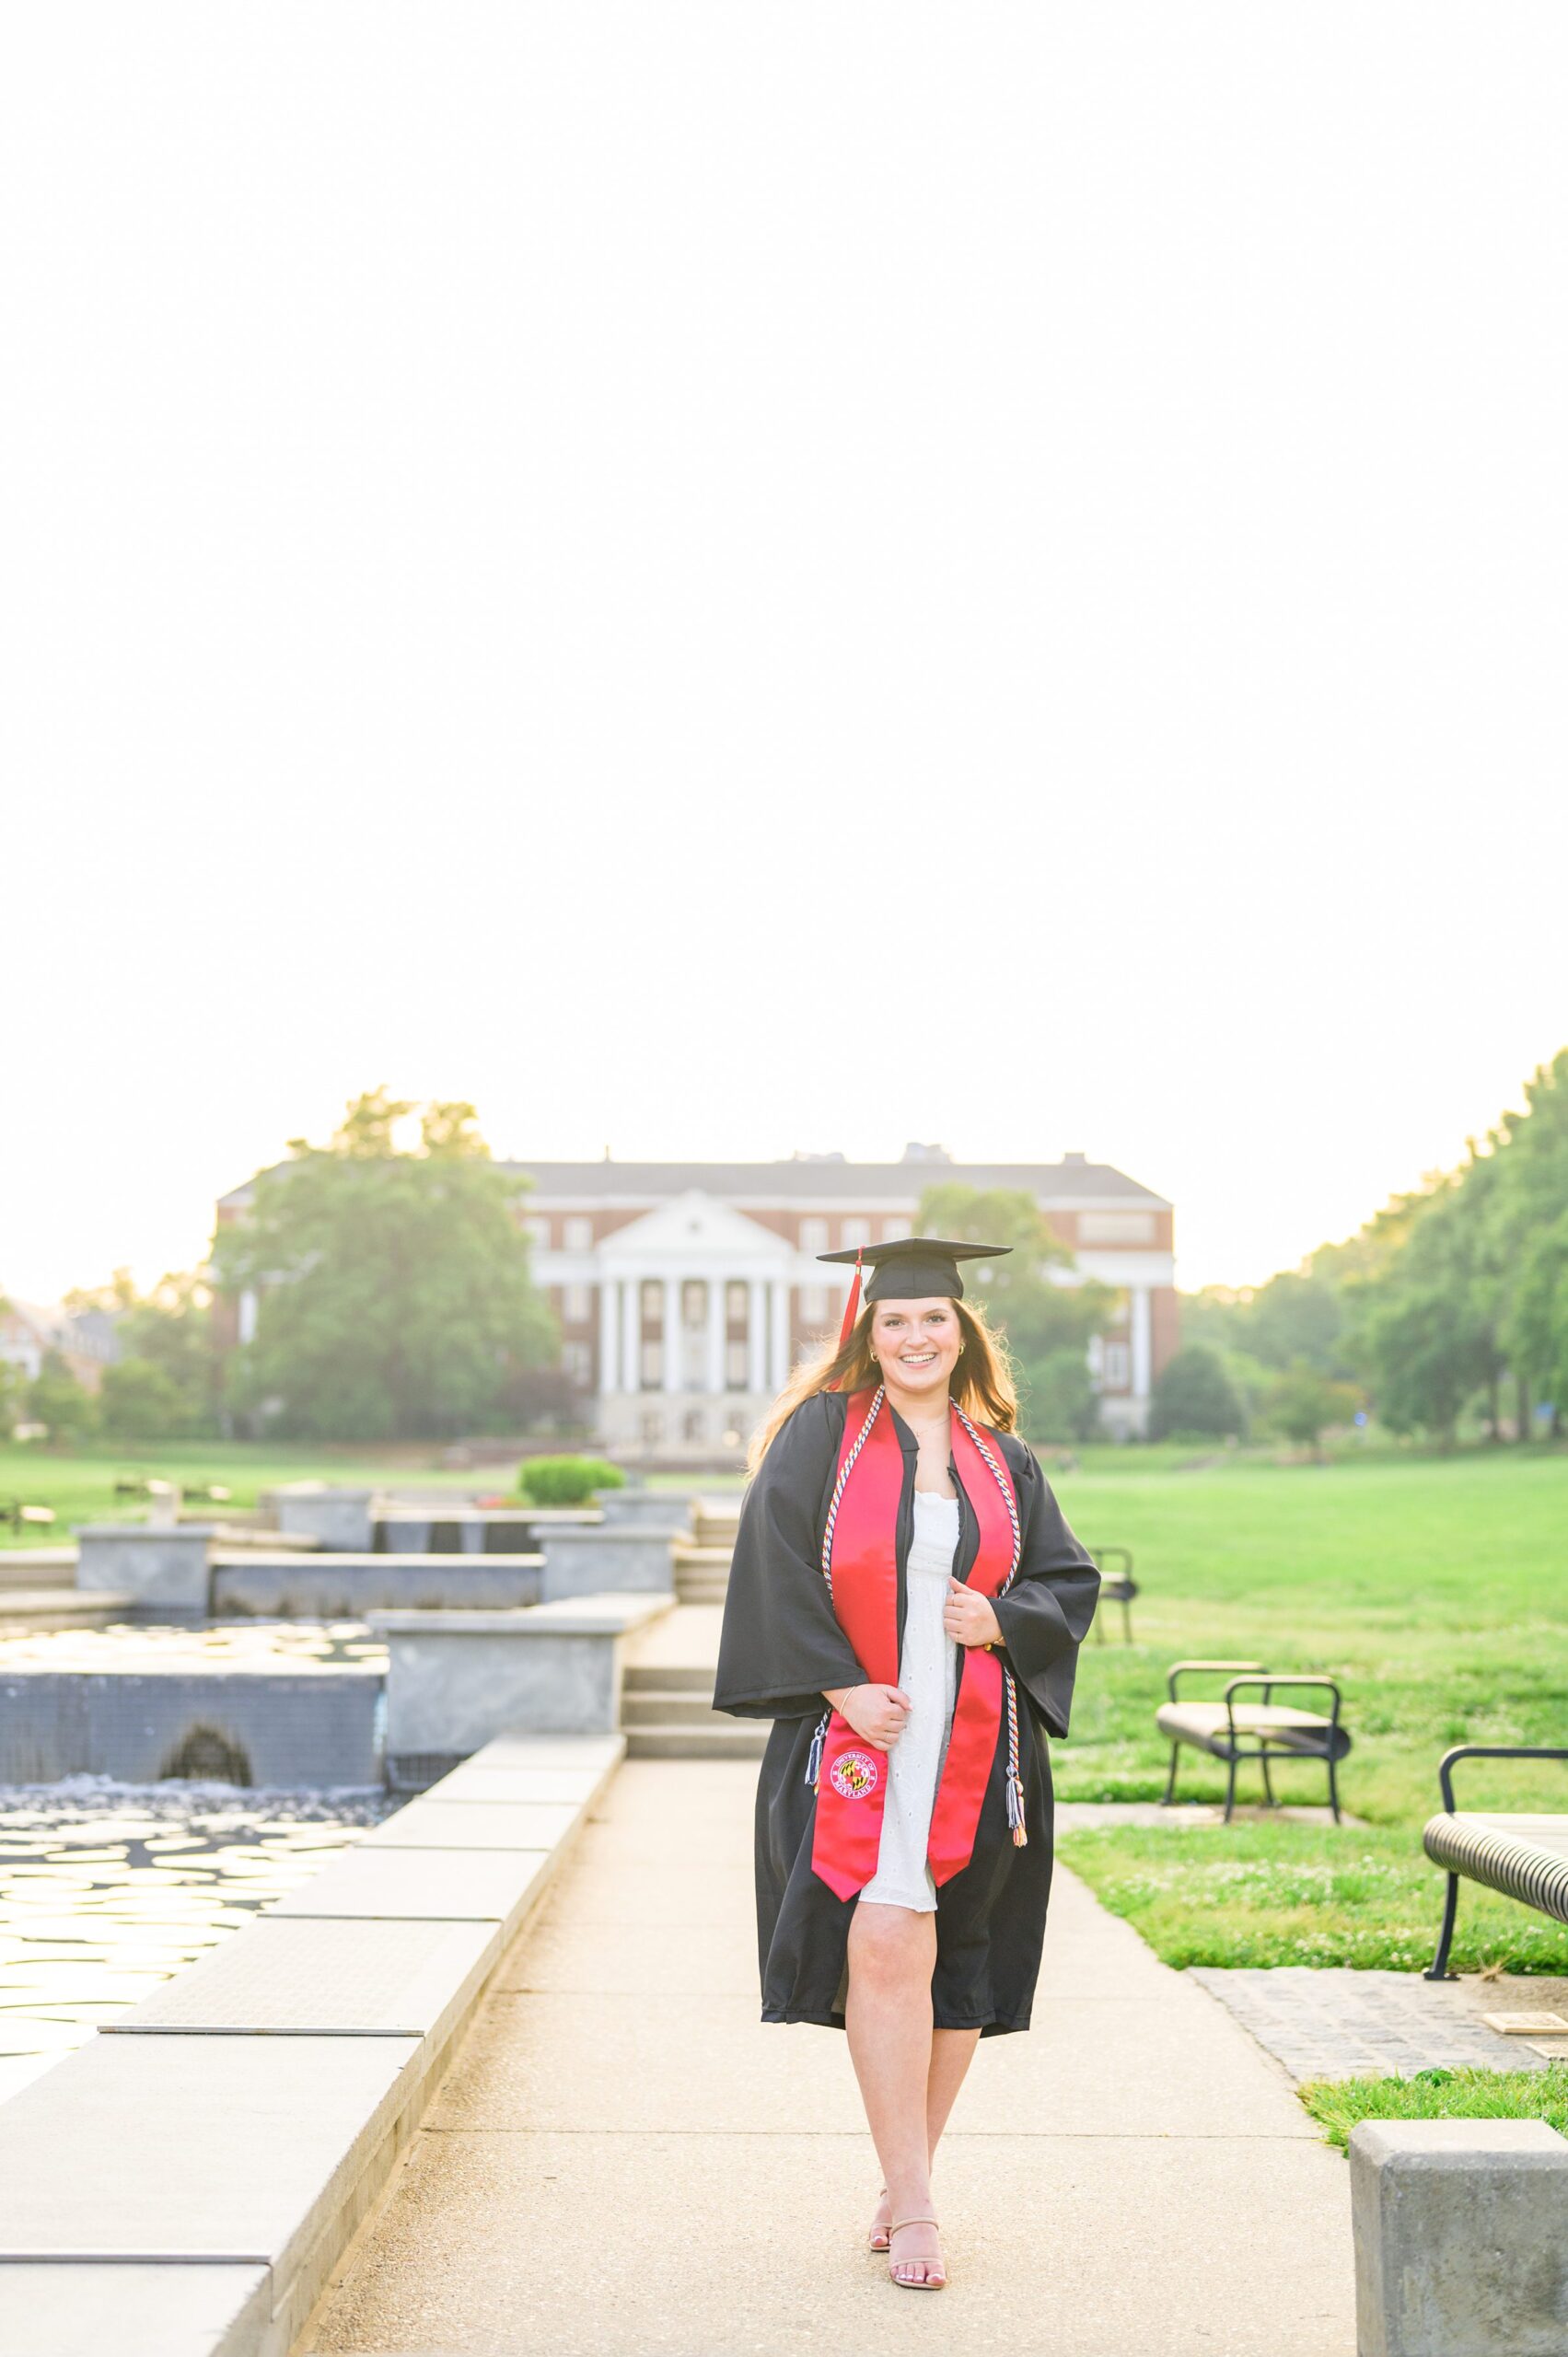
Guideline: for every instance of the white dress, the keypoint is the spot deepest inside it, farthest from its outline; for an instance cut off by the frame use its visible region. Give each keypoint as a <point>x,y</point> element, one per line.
<point>928,1672</point>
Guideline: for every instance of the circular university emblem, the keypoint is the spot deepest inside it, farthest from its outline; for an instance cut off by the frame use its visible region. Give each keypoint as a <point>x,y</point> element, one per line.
<point>855,1774</point>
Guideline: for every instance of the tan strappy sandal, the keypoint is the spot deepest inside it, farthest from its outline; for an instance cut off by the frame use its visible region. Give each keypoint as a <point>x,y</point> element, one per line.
<point>924,2284</point>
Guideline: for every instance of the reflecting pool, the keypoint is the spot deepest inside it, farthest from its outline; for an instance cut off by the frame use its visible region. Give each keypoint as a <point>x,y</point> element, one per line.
<point>198,1646</point>
<point>106,1890</point>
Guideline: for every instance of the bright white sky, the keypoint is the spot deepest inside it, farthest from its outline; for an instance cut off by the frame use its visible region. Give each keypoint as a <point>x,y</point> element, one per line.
<point>726,578</point>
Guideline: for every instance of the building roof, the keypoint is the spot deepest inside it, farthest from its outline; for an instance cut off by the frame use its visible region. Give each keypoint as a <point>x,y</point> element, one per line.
<point>815,1177</point>
<point>819,1178</point>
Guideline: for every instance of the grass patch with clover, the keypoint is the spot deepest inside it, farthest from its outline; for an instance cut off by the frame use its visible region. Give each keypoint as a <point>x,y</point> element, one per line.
<point>1434,1588</point>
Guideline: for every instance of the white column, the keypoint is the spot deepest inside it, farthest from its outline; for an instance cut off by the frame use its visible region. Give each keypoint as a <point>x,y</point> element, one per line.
<point>778,1336</point>
<point>674,1338</point>
<point>1142,1342</point>
<point>757,1335</point>
<point>715,1335</point>
<point>632,1333</point>
<point>609,1374</point>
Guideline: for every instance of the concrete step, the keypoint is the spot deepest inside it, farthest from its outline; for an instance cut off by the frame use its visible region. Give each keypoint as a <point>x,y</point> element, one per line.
<point>725,1739</point>
<point>668,1678</point>
<point>700,1592</point>
<point>702,1559</point>
<point>673,1709</point>
<point>66,1607</point>
<point>38,1567</point>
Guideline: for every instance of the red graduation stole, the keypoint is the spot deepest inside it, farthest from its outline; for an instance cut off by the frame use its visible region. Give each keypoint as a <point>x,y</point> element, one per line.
<point>859,1559</point>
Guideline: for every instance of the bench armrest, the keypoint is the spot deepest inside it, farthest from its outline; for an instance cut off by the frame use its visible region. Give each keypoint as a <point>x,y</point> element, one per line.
<point>1488,1751</point>
<point>1176,1668</point>
<point>1269,1679</point>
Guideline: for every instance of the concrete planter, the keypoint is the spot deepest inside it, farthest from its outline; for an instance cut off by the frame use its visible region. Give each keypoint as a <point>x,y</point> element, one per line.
<point>457,1679</point>
<point>340,1520</point>
<point>336,1587</point>
<point>662,1510</point>
<point>1458,2237</point>
<point>168,1566</point>
<point>285,1727</point>
<point>595,1561</point>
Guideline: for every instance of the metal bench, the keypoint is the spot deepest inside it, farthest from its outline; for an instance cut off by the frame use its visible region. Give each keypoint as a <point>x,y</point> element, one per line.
<point>25,1517</point>
<point>1115,1587</point>
<point>1273,1731</point>
<point>1524,1857</point>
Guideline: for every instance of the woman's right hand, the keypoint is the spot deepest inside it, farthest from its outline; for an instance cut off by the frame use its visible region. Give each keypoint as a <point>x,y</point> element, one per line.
<point>877,1714</point>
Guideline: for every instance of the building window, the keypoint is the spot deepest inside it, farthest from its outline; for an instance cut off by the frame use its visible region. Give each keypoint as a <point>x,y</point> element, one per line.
<point>653,1365</point>
<point>1115,1227</point>
<point>814,1304</point>
<point>653,1428</point>
<point>693,1425</point>
<point>1116,1367</point>
<point>735,1367</point>
<point>694,1305</point>
<point>894,1230</point>
<point>579,1235</point>
<point>578,1304</point>
<point>854,1232</point>
<point>653,1302</point>
<point>734,1302</point>
<point>813,1236</point>
<point>537,1227</point>
<point>576,1362</point>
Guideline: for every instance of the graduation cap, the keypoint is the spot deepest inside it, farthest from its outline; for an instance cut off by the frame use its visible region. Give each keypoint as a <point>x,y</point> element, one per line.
<point>914,1268</point>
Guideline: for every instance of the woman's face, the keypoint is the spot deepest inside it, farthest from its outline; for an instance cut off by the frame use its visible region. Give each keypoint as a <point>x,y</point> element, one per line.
<point>916,1344</point>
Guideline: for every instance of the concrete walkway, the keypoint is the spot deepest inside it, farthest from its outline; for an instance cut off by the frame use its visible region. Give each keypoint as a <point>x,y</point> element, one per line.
<point>625,2161</point>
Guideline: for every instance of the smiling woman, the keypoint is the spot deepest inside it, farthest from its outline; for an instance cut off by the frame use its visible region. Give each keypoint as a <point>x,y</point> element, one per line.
<point>905,1603</point>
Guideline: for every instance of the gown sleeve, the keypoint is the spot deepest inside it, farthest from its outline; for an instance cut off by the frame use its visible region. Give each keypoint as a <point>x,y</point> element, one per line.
<point>1045,1615</point>
<point>781,1644</point>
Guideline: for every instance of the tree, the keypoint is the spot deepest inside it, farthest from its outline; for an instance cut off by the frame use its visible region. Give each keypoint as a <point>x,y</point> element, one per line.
<point>55,1399</point>
<point>1428,1324</point>
<point>1043,1318</point>
<point>1303,1404</point>
<point>1062,1403</point>
<point>141,1402</point>
<point>393,1288</point>
<point>169,1331</point>
<point>1194,1394</point>
<point>1299,1314</point>
<point>1528,1211</point>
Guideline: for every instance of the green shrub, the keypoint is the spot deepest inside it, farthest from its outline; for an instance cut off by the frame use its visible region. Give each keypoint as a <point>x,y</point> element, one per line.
<point>142,1402</point>
<point>567,1480</point>
<point>1194,1394</point>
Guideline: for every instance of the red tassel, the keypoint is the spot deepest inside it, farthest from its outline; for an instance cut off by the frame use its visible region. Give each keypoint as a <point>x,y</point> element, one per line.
<point>852,1307</point>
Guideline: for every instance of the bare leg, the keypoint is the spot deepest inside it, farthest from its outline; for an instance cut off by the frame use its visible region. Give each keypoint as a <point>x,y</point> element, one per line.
<point>892,1951</point>
<point>952,2051</point>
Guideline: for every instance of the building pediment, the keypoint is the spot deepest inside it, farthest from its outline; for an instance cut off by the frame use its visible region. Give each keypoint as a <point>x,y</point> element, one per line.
<point>691,1230</point>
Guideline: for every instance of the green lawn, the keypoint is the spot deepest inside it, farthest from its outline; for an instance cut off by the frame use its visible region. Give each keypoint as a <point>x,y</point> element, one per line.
<point>1436,1589</point>
<point>79,1484</point>
<point>1338,2104</point>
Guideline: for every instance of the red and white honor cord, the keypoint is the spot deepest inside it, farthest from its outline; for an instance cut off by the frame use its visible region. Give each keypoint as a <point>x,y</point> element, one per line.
<point>1015,1776</point>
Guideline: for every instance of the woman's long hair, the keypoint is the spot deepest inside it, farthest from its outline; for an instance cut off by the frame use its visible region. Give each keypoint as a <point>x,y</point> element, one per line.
<point>981,1384</point>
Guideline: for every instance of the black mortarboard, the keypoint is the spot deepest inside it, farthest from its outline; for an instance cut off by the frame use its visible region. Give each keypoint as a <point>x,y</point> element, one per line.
<point>916,1268</point>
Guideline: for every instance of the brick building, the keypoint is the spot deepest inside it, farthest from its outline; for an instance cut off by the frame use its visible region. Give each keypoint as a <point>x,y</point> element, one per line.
<point>685,1291</point>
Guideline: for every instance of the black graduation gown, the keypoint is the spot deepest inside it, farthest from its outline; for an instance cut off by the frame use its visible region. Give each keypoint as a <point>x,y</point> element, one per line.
<point>782,1647</point>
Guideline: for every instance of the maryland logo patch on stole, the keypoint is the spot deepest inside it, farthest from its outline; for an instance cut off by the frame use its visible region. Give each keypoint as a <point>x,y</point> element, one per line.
<point>853,1773</point>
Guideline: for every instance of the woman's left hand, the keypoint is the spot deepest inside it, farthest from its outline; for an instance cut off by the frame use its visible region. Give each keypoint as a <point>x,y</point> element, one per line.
<point>968,1617</point>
